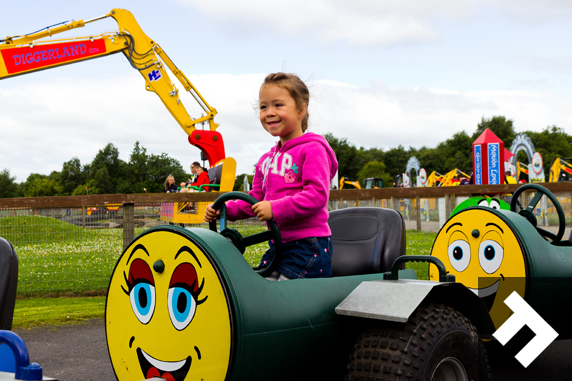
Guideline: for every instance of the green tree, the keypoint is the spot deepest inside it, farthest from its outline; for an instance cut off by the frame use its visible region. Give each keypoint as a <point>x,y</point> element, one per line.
<point>349,157</point>
<point>8,185</point>
<point>455,153</point>
<point>374,169</point>
<point>239,182</point>
<point>43,187</point>
<point>88,188</point>
<point>107,169</point>
<point>73,175</point>
<point>395,160</point>
<point>551,143</point>
<point>161,166</point>
<point>502,127</point>
<point>139,161</point>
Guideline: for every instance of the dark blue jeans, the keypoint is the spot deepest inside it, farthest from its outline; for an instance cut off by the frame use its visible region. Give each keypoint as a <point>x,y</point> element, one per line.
<point>305,258</point>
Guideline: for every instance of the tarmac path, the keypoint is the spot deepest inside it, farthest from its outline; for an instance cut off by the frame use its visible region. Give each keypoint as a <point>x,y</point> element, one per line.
<point>79,352</point>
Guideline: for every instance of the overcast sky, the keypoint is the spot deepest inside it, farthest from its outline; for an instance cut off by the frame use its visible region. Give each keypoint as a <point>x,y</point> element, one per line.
<point>382,73</point>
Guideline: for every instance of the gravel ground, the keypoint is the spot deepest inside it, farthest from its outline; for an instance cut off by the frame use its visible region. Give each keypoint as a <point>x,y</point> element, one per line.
<point>72,353</point>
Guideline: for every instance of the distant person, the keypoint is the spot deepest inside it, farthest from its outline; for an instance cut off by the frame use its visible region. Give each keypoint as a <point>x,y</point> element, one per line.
<point>193,177</point>
<point>202,177</point>
<point>170,186</point>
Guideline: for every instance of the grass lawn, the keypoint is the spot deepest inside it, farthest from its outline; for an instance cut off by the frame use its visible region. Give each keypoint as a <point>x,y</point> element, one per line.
<point>63,259</point>
<point>34,312</point>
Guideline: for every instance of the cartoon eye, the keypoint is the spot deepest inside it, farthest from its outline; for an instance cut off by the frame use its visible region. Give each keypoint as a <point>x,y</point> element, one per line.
<point>491,254</point>
<point>182,307</point>
<point>459,254</point>
<point>494,204</point>
<point>484,203</point>
<point>183,296</point>
<point>141,290</point>
<point>142,298</point>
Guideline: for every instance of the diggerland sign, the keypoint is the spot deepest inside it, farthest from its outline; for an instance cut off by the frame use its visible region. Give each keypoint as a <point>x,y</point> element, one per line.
<point>24,59</point>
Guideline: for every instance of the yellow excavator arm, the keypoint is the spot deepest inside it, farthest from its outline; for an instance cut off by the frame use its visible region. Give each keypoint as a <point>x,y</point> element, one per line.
<point>560,170</point>
<point>32,52</point>
<point>345,180</point>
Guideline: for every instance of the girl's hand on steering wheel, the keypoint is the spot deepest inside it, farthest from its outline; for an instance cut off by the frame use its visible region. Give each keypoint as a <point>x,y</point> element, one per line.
<point>263,210</point>
<point>211,214</point>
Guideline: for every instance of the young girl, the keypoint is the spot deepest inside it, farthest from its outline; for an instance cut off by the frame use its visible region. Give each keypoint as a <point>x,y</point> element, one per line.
<point>170,186</point>
<point>292,182</point>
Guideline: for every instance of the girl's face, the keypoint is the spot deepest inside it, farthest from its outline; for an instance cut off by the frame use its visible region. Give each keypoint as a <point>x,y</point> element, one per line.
<point>279,114</point>
<point>171,180</point>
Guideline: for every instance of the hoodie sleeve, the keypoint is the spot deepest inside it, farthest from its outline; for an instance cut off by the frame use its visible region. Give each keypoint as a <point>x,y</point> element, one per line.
<point>239,210</point>
<point>314,196</point>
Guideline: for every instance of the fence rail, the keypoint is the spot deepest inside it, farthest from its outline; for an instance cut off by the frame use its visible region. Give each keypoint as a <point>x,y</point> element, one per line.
<point>71,243</point>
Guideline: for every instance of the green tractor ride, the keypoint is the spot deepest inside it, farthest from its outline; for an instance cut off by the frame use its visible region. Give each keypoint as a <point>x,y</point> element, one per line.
<point>183,304</point>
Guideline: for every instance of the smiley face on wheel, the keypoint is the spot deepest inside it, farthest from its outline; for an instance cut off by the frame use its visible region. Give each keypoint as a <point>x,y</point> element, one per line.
<point>484,254</point>
<point>167,313</point>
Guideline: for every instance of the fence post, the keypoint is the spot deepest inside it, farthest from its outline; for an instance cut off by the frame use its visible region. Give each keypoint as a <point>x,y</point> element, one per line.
<point>128,224</point>
<point>418,210</point>
<point>83,216</point>
<point>447,206</point>
<point>392,203</point>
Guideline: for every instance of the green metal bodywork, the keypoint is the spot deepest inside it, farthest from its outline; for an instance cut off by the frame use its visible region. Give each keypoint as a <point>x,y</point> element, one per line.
<point>548,272</point>
<point>280,327</point>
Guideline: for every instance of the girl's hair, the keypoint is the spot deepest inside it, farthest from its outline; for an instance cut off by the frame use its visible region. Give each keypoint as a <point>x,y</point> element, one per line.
<point>295,87</point>
<point>167,181</point>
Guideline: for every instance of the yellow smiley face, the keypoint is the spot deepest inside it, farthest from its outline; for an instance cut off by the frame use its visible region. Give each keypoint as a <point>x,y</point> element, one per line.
<point>483,253</point>
<point>167,313</point>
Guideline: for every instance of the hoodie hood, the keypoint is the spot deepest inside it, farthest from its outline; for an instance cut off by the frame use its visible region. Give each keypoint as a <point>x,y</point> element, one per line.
<point>310,137</point>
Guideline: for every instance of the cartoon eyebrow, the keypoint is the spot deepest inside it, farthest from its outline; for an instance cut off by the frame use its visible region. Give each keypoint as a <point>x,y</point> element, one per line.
<point>456,223</point>
<point>135,249</point>
<point>490,223</point>
<point>188,250</point>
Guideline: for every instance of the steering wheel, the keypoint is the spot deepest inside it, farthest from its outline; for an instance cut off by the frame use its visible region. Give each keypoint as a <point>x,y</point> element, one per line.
<point>241,242</point>
<point>527,212</point>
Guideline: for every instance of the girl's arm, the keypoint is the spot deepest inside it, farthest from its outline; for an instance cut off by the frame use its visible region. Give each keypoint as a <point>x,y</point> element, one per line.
<point>239,210</point>
<point>316,187</point>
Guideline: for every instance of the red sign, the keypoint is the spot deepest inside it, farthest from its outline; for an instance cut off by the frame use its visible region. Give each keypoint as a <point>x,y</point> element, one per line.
<point>24,59</point>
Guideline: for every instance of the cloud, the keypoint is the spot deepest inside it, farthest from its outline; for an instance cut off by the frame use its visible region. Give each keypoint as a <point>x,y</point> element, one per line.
<point>527,11</point>
<point>45,123</point>
<point>357,23</point>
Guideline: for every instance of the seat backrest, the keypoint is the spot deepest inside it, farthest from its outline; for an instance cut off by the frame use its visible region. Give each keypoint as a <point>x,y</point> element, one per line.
<point>365,240</point>
<point>8,283</point>
<point>215,174</point>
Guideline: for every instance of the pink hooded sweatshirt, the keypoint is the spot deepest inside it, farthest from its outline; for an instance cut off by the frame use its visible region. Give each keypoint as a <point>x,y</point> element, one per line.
<point>296,179</point>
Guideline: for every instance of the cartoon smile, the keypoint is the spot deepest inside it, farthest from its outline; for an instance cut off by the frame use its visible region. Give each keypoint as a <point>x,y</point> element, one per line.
<point>488,294</point>
<point>169,370</point>
<point>166,293</point>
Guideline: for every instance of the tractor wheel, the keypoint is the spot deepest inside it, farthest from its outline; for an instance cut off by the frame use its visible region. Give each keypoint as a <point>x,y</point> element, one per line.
<point>438,343</point>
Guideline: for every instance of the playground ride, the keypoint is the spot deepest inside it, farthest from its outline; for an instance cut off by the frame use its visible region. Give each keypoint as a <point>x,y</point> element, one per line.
<point>183,304</point>
<point>521,172</point>
<point>374,183</point>
<point>33,52</point>
<point>348,181</point>
<point>193,288</point>
<point>494,252</point>
<point>560,170</point>
<point>451,178</point>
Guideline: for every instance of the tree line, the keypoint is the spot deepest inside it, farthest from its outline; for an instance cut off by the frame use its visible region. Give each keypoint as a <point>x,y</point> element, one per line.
<point>144,172</point>
<point>456,152</point>
<point>106,174</point>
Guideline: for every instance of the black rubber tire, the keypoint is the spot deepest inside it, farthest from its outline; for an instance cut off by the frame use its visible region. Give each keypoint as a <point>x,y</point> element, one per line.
<point>434,332</point>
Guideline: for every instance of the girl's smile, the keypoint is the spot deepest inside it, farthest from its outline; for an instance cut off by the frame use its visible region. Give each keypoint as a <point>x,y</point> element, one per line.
<point>279,114</point>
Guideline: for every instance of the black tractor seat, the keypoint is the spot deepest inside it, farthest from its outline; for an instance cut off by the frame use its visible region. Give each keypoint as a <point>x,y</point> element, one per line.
<point>8,283</point>
<point>365,240</point>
